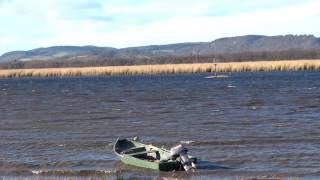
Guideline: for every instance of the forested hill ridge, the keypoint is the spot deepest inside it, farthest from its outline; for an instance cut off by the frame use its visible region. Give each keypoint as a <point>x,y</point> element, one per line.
<point>240,48</point>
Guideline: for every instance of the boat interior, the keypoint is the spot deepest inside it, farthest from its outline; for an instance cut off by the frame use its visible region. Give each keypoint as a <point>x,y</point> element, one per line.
<point>136,150</point>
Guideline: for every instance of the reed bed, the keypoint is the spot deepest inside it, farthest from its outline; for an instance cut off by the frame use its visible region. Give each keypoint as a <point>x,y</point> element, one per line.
<point>292,65</point>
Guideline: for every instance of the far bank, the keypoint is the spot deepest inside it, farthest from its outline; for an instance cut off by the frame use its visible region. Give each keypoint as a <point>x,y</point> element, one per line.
<point>267,66</point>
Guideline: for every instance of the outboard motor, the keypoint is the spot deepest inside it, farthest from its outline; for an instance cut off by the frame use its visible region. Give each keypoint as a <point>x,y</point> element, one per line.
<point>181,152</point>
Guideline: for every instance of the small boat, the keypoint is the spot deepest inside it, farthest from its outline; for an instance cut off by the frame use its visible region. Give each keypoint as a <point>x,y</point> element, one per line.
<point>217,76</point>
<point>148,156</point>
<point>214,62</point>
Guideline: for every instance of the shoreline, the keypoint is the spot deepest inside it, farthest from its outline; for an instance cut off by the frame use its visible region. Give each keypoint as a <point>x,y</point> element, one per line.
<point>252,66</point>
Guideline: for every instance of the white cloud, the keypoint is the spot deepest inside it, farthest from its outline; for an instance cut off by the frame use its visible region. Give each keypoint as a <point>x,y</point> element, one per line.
<point>46,23</point>
<point>7,40</point>
<point>293,20</point>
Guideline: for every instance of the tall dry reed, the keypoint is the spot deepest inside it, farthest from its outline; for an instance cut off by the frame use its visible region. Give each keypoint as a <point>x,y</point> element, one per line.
<point>293,65</point>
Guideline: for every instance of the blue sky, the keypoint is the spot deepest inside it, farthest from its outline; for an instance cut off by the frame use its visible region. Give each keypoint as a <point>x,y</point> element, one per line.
<point>28,24</point>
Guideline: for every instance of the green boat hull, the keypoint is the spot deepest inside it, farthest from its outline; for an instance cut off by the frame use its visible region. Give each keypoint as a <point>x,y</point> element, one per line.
<point>145,156</point>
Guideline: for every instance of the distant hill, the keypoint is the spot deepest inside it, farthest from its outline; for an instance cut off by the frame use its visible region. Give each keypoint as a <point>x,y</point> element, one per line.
<point>197,51</point>
<point>54,53</point>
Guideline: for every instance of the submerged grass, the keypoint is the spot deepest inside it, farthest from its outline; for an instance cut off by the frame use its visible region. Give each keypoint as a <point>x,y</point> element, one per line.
<point>292,65</point>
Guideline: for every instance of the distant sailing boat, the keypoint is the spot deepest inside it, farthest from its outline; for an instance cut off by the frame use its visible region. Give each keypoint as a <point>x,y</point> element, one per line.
<point>215,75</point>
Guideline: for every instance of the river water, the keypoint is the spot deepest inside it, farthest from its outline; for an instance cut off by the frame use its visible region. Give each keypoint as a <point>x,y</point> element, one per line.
<point>257,125</point>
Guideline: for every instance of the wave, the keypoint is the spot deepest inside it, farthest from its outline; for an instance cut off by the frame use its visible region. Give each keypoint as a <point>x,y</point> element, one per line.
<point>45,172</point>
<point>256,141</point>
<point>74,172</point>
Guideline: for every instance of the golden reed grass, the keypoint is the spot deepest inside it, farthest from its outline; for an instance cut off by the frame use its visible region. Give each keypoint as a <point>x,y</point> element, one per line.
<point>292,65</point>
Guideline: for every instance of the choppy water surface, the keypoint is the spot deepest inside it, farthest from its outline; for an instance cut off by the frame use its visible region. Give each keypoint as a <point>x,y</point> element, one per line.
<point>263,125</point>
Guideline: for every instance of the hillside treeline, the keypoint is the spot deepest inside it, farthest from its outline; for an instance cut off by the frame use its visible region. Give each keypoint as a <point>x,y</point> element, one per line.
<point>91,61</point>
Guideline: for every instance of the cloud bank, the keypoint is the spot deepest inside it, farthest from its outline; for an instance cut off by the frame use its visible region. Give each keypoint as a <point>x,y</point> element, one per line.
<point>122,23</point>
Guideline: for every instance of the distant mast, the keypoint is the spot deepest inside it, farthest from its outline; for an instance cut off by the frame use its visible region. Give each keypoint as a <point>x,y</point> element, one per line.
<point>214,62</point>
